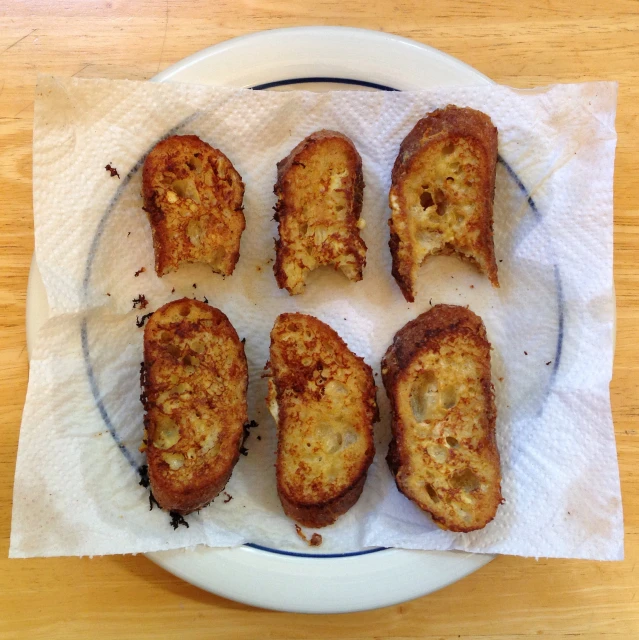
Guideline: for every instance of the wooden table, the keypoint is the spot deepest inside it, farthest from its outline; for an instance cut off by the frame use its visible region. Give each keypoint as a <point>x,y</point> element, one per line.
<point>521,44</point>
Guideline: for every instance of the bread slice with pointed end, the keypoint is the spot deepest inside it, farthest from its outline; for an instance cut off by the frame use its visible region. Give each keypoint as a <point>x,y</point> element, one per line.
<point>441,196</point>
<point>194,380</point>
<point>193,198</point>
<point>320,188</point>
<point>322,397</point>
<point>443,453</point>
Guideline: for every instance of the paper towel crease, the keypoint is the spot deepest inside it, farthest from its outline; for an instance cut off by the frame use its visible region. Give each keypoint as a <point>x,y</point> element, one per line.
<point>77,488</point>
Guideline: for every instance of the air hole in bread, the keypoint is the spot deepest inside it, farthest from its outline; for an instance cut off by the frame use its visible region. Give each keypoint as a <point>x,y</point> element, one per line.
<point>447,149</point>
<point>432,493</point>
<point>438,453</point>
<point>303,228</point>
<point>449,397</point>
<point>198,347</point>
<point>423,396</point>
<point>174,350</point>
<point>442,204</point>
<point>219,253</point>
<point>452,442</point>
<point>186,189</point>
<point>465,480</point>
<point>455,167</point>
<point>185,309</point>
<point>195,164</point>
<point>426,200</point>
<point>165,337</point>
<point>450,179</point>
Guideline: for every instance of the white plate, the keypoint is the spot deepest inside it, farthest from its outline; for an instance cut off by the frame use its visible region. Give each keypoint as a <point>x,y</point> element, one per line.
<point>319,59</point>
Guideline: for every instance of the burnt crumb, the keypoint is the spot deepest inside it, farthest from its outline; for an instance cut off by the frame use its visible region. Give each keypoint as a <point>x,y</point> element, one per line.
<point>243,340</point>
<point>259,437</point>
<point>153,501</point>
<point>173,290</point>
<point>140,302</point>
<point>246,429</point>
<point>108,294</point>
<point>143,470</point>
<point>139,271</point>
<point>113,171</point>
<point>258,268</point>
<point>549,362</point>
<point>195,285</point>
<point>500,379</point>
<point>299,164</point>
<point>525,353</point>
<point>316,538</point>
<point>128,234</point>
<point>228,498</point>
<point>177,520</point>
<point>430,302</point>
<point>139,321</point>
<point>501,261</point>
<point>205,300</point>
<point>472,286</point>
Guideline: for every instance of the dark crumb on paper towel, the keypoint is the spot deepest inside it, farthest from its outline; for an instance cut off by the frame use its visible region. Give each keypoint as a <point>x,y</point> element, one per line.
<point>153,501</point>
<point>316,538</point>
<point>177,520</point>
<point>139,271</point>
<point>128,234</point>
<point>143,470</point>
<point>525,353</point>
<point>173,290</point>
<point>247,432</point>
<point>243,341</point>
<point>259,437</point>
<point>140,302</point>
<point>108,294</point>
<point>113,171</point>
<point>139,321</point>
<point>228,498</point>
<point>195,285</point>
<point>549,362</point>
<point>205,300</point>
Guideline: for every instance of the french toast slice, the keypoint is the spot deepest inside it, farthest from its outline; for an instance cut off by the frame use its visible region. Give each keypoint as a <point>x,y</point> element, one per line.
<point>443,453</point>
<point>320,188</point>
<point>441,194</point>
<point>193,198</point>
<point>194,380</point>
<point>322,397</point>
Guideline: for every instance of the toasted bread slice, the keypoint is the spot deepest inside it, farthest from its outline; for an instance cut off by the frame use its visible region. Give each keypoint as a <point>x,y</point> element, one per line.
<point>194,380</point>
<point>322,397</point>
<point>441,196</point>
<point>193,198</point>
<point>320,188</point>
<point>443,453</point>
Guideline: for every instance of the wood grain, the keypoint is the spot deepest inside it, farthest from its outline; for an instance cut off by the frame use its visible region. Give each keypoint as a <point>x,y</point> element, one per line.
<point>521,44</point>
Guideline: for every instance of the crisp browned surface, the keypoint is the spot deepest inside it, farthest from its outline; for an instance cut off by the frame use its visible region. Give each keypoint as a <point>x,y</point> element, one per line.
<point>320,188</point>
<point>518,43</point>
<point>441,195</point>
<point>194,382</point>
<point>193,198</point>
<point>443,453</point>
<point>323,398</point>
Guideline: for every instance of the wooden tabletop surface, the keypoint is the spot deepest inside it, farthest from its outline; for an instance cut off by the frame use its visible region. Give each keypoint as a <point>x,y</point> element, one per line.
<point>523,44</point>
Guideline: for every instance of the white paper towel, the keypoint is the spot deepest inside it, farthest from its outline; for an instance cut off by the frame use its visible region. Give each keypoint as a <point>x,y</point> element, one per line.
<point>551,323</point>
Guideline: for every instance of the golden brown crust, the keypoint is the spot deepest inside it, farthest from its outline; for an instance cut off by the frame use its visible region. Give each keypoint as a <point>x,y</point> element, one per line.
<point>443,453</point>
<point>193,198</point>
<point>320,188</point>
<point>194,380</point>
<point>323,399</point>
<point>442,191</point>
